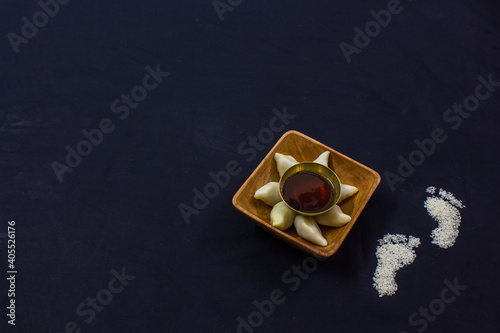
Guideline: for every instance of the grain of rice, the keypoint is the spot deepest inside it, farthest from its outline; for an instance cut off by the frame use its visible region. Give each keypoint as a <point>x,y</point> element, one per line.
<point>393,253</point>
<point>431,190</point>
<point>451,198</point>
<point>443,209</point>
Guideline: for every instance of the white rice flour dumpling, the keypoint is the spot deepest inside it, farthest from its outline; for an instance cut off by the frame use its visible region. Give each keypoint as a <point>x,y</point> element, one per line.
<point>347,191</point>
<point>333,218</point>
<point>283,162</point>
<point>282,216</point>
<point>269,193</point>
<point>308,229</point>
<point>323,158</point>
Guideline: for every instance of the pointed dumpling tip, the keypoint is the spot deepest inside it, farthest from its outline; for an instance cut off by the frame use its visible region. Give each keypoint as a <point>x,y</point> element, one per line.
<point>323,158</point>
<point>347,191</point>
<point>283,162</point>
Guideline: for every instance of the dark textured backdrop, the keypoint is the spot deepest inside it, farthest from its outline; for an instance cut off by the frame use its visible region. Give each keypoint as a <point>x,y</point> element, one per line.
<point>118,209</point>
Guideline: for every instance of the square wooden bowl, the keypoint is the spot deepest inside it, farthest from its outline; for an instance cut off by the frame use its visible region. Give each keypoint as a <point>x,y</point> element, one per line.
<point>304,148</point>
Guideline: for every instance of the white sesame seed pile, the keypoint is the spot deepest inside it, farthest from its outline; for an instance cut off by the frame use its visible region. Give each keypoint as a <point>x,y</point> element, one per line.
<point>443,209</point>
<point>393,253</point>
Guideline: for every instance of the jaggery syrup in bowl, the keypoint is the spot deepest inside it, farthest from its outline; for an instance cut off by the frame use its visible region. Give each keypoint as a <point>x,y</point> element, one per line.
<point>308,192</point>
<point>310,188</point>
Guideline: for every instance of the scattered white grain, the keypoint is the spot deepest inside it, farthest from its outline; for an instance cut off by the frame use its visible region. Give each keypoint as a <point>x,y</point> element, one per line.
<point>451,198</point>
<point>393,253</point>
<point>443,210</point>
<point>431,190</point>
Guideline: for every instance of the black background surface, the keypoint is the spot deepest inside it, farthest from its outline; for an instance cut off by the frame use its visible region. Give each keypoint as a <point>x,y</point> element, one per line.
<point>119,207</point>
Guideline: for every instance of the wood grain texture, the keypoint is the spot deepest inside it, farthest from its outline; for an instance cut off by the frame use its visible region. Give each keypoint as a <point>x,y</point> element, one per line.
<point>304,148</point>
